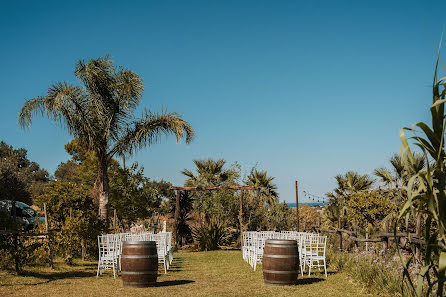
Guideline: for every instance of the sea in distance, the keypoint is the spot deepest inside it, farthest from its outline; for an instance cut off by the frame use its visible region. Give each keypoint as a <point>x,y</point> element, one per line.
<point>309,204</point>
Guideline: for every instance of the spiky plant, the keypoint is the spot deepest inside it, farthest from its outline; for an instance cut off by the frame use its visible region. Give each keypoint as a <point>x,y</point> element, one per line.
<point>426,195</point>
<point>100,115</point>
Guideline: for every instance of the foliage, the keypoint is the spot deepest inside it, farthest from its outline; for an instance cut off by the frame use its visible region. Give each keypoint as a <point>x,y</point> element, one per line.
<point>308,216</point>
<point>426,194</point>
<point>264,188</point>
<point>20,179</point>
<point>211,172</point>
<point>186,207</point>
<point>100,115</point>
<point>371,207</point>
<point>280,217</point>
<point>380,277</point>
<point>133,195</point>
<point>80,230</point>
<point>210,235</point>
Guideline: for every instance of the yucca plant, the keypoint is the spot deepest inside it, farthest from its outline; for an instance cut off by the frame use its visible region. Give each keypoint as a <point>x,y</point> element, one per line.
<point>426,196</point>
<point>210,235</point>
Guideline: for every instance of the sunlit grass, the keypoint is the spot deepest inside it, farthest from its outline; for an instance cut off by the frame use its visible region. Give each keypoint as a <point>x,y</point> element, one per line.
<point>217,273</point>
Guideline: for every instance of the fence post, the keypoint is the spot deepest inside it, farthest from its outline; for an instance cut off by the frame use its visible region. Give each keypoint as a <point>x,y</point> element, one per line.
<point>386,239</point>
<point>366,235</point>
<point>50,257</point>
<point>340,234</point>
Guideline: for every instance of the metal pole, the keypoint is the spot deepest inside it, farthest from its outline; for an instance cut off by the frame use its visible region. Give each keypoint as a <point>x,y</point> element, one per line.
<point>297,208</point>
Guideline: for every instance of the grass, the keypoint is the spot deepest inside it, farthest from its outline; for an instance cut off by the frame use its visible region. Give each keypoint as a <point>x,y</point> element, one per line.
<point>216,273</point>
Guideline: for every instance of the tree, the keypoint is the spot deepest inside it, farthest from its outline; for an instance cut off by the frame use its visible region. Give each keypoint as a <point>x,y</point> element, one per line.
<point>100,115</point>
<point>264,188</point>
<point>347,184</point>
<point>20,179</point>
<point>212,173</point>
<point>399,176</point>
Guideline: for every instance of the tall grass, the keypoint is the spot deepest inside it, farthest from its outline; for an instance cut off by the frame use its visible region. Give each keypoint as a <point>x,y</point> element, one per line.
<point>382,277</point>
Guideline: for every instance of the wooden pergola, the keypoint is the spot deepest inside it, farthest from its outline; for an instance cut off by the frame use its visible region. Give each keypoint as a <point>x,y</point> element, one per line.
<point>207,188</point>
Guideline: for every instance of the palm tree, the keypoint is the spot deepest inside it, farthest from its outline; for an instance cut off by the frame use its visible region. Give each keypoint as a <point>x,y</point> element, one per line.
<point>264,188</point>
<point>347,184</point>
<point>100,115</point>
<point>209,173</point>
<point>400,174</point>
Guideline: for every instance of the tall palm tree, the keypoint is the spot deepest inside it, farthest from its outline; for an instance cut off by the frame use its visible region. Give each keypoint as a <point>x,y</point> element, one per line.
<point>100,115</point>
<point>264,188</point>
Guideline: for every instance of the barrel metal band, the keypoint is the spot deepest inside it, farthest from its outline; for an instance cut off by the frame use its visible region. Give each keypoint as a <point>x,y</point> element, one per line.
<point>138,272</point>
<point>281,246</point>
<point>280,256</point>
<point>280,282</point>
<point>139,256</point>
<point>281,272</point>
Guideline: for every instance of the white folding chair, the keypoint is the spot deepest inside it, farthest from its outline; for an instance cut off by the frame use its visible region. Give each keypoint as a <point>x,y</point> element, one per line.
<point>108,258</point>
<point>161,249</point>
<point>317,254</point>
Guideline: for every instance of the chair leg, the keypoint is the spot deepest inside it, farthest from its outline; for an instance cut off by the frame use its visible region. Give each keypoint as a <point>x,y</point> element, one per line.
<point>310,264</point>
<point>325,268</point>
<point>97,274</point>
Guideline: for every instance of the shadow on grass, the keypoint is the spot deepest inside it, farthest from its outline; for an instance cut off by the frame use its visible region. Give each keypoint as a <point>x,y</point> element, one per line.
<point>173,283</point>
<point>309,280</point>
<point>49,277</point>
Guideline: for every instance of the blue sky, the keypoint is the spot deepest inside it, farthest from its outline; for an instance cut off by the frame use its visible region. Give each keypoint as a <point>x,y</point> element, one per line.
<point>303,89</point>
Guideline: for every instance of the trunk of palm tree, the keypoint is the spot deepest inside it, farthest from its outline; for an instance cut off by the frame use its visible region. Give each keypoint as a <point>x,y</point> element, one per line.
<point>103,188</point>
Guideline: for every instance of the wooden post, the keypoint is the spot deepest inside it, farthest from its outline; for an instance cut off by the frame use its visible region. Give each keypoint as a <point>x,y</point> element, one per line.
<point>50,257</point>
<point>115,218</point>
<point>297,208</point>
<point>241,216</point>
<point>386,239</point>
<point>177,216</point>
<point>366,235</point>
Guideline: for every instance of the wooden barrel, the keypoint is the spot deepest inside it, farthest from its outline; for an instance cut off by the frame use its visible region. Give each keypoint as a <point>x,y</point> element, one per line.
<point>280,262</point>
<point>139,263</point>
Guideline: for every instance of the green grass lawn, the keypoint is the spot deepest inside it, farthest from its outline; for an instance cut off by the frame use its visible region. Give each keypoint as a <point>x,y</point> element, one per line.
<point>217,273</point>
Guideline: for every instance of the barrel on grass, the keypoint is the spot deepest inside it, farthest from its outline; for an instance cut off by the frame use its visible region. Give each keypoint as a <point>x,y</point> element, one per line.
<point>139,263</point>
<point>280,262</point>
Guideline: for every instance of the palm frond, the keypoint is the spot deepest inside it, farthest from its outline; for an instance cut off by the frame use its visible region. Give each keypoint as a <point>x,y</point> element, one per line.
<point>149,129</point>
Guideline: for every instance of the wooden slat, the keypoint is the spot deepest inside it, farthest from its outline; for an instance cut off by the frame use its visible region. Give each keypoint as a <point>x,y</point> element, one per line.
<point>208,188</point>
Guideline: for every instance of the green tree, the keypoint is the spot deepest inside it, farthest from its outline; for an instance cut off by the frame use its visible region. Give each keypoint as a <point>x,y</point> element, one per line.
<point>211,172</point>
<point>264,188</point>
<point>72,211</point>
<point>20,179</point>
<point>347,185</point>
<point>100,115</point>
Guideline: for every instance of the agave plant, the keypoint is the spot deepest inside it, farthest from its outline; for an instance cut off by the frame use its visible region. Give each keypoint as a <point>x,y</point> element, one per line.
<point>426,195</point>
<point>210,235</point>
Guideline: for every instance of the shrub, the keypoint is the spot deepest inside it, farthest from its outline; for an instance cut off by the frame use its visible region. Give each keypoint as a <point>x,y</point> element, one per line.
<point>211,235</point>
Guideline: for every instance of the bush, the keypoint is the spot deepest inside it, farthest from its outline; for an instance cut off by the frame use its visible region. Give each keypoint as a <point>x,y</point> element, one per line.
<point>210,236</point>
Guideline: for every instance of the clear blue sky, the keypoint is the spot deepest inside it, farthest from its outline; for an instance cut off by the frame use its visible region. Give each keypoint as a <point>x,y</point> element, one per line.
<point>302,89</point>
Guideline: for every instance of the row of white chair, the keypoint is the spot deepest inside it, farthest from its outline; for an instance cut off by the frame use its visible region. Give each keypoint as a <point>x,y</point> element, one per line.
<point>110,249</point>
<point>311,247</point>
